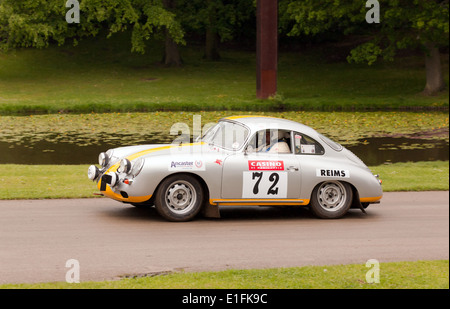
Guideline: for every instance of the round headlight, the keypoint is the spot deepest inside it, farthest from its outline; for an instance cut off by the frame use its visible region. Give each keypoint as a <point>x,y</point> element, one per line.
<point>125,166</point>
<point>137,167</point>
<point>103,159</point>
<point>93,172</point>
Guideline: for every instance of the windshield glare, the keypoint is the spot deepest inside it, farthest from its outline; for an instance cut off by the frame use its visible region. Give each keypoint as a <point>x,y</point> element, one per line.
<point>226,134</point>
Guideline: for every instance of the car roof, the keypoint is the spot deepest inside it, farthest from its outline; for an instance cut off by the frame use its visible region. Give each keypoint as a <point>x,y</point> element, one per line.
<point>256,123</point>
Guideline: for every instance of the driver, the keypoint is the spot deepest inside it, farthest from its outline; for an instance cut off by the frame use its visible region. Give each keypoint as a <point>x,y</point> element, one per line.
<point>275,143</point>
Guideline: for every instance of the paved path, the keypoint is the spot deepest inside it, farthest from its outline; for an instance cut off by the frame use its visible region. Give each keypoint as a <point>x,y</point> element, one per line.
<point>110,239</point>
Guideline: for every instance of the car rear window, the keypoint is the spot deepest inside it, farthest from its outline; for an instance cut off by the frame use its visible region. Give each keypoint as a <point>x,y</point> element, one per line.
<point>332,144</point>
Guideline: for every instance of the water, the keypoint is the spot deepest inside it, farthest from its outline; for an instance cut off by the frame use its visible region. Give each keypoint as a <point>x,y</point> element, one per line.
<point>373,151</point>
<point>379,150</point>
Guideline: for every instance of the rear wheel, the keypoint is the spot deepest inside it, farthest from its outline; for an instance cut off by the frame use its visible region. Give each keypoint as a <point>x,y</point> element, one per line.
<point>179,198</point>
<point>331,199</point>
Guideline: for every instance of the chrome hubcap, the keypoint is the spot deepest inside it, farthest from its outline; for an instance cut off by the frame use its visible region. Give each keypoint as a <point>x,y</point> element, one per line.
<point>331,196</point>
<point>180,197</point>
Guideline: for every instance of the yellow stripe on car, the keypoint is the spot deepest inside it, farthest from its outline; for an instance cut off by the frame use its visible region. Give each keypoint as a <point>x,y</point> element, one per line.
<point>252,202</point>
<point>131,199</point>
<point>136,199</point>
<point>247,116</point>
<point>114,167</point>
<point>370,199</point>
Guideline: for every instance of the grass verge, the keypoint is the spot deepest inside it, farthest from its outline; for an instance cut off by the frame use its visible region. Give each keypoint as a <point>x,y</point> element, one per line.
<point>101,75</point>
<point>414,176</point>
<point>70,181</point>
<point>399,275</point>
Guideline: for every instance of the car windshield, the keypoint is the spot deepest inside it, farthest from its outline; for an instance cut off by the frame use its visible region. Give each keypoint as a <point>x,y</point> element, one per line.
<point>229,135</point>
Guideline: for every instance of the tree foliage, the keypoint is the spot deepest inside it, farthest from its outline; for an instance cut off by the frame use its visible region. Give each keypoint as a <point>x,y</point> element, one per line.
<point>224,17</point>
<point>37,23</point>
<point>215,20</point>
<point>25,23</point>
<point>404,24</point>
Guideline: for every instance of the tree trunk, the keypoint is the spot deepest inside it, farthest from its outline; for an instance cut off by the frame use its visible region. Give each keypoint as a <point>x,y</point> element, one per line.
<point>212,45</point>
<point>171,53</point>
<point>212,37</point>
<point>435,80</point>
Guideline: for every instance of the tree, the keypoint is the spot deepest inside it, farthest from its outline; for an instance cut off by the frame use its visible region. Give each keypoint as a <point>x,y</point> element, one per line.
<point>171,52</point>
<point>37,23</point>
<point>216,20</point>
<point>403,24</point>
<point>32,23</point>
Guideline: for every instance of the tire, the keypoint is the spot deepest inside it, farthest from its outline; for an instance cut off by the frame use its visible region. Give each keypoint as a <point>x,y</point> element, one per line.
<point>179,198</point>
<point>331,199</point>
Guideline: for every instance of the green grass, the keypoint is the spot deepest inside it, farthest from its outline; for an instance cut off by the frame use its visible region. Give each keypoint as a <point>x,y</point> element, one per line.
<point>45,182</point>
<point>399,275</point>
<point>70,181</point>
<point>102,75</point>
<point>417,176</point>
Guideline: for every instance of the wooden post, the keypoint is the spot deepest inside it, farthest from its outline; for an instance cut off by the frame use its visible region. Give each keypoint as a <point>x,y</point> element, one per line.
<point>266,48</point>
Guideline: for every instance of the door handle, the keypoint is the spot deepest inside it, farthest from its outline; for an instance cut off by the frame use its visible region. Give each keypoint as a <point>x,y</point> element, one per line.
<point>292,168</point>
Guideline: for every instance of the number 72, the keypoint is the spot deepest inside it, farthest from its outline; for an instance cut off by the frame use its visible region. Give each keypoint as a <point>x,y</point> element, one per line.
<point>264,185</point>
<point>274,178</point>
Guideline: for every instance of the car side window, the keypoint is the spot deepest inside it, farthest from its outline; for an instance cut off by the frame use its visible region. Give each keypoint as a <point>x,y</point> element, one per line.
<point>270,141</point>
<point>305,145</point>
<point>257,141</point>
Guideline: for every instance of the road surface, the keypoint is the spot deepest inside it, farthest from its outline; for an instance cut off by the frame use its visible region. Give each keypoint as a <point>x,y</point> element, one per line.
<point>112,240</point>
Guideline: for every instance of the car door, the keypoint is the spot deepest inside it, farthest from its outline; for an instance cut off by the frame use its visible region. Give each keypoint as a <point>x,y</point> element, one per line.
<point>250,176</point>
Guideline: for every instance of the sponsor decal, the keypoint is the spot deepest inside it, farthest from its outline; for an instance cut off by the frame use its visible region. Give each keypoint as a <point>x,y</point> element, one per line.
<point>175,164</point>
<point>186,165</point>
<point>265,165</point>
<point>218,161</point>
<point>321,172</point>
<point>308,149</point>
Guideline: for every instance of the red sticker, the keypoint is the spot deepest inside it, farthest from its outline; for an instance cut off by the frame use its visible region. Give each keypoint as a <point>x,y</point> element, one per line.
<point>260,165</point>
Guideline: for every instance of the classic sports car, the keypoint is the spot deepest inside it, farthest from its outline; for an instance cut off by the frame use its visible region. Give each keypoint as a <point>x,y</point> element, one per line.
<point>242,160</point>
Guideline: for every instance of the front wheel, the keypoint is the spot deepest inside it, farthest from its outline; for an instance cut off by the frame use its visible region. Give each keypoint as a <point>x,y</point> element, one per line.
<point>179,198</point>
<point>331,199</point>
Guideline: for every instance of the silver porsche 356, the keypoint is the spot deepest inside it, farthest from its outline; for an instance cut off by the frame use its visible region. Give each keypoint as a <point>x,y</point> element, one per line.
<point>241,160</point>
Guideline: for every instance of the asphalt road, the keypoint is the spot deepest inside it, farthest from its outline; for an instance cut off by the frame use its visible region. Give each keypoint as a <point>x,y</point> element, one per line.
<point>111,240</point>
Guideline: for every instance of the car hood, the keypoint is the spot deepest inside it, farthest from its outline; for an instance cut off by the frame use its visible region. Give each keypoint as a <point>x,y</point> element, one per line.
<point>143,151</point>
